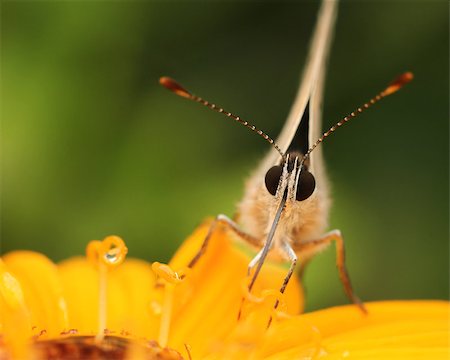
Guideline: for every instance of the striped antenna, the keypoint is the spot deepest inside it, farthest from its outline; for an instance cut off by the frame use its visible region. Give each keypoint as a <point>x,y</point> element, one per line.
<point>176,88</point>
<point>393,87</point>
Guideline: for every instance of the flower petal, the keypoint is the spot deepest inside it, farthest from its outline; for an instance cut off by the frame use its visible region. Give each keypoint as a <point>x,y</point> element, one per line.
<point>15,323</point>
<point>81,291</point>
<point>209,300</point>
<point>42,290</point>
<point>392,329</point>
<point>138,281</point>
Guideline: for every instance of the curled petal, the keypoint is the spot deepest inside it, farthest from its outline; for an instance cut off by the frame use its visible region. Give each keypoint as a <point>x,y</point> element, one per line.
<point>110,252</point>
<point>166,273</point>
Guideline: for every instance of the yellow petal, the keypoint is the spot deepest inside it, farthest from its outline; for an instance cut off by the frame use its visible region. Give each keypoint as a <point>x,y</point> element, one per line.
<point>80,287</point>
<point>138,280</point>
<point>42,290</point>
<point>391,330</point>
<point>81,290</point>
<point>197,309</point>
<point>14,318</point>
<point>207,303</point>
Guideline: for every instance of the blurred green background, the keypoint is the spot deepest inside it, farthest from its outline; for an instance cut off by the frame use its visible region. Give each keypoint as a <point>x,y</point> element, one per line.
<point>92,145</point>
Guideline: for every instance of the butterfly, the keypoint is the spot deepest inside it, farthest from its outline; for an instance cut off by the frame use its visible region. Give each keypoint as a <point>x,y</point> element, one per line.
<point>285,207</point>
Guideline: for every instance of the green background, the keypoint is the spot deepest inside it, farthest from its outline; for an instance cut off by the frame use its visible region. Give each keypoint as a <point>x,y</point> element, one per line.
<point>92,145</point>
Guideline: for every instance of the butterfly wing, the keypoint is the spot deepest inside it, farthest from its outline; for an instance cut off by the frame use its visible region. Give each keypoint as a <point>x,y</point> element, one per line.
<point>310,92</point>
<point>302,128</point>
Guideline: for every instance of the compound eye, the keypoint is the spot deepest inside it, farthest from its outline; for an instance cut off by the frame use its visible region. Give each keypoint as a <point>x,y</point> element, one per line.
<point>272,179</point>
<point>306,185</point>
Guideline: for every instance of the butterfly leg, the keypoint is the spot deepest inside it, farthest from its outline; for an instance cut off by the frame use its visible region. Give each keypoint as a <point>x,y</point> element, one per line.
<point>230,224</point>
<point>315,246</point>
<point>254,261</point>
<point>292,257</point>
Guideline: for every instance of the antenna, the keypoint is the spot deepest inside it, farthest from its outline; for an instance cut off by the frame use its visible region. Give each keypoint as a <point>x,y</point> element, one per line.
<point>393,87</point>
<point>176,88</point>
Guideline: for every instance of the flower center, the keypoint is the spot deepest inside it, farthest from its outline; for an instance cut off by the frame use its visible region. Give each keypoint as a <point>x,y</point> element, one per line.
<point>111,348</point>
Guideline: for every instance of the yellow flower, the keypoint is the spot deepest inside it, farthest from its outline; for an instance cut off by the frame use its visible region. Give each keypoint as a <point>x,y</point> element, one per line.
<point>93,307</point>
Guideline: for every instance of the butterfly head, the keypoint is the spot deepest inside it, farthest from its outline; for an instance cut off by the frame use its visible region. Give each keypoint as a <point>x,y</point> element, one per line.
<point>291,175</point>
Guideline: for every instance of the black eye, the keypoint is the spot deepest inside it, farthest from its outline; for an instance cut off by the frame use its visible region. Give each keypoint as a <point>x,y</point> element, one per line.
<point>306,185</point>
<point>272,179</point>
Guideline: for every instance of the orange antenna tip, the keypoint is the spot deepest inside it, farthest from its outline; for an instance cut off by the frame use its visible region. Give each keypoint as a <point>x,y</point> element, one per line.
<point>173,86</point>
<point>393,87</point>
<point>398,83</point>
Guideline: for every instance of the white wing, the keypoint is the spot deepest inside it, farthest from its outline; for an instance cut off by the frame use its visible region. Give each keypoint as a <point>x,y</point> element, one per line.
<point>311,88</point>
